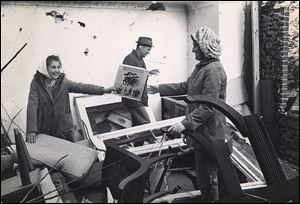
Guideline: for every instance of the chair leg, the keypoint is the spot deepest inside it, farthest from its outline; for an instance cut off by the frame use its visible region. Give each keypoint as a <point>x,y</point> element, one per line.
<point>25,165</point>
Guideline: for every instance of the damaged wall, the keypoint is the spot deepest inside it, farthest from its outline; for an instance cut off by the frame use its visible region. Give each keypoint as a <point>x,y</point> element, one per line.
<point>92,39</point>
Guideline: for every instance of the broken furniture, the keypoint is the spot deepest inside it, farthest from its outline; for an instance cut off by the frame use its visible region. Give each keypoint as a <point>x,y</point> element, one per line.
<point>72,164</point>
<point>243,156</point>
<point>68,163</point>
<point>252,127</point>
<point>128,167</point>
<point>242,160</point>
<point>126,174</point>
<point>93,111</point>
<point>13,191</point>
<point>171,107</point>
<point>71,159</point>
<point>142,132</point>
<point>100,114</point>
<point>233,190</point>
<point>22,186</point>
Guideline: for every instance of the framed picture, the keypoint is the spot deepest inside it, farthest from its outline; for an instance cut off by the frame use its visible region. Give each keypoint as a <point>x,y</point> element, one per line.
<point>130,81</point>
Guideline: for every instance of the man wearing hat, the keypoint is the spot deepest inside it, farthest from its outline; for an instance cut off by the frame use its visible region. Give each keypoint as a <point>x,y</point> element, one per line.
<point>137,109</point>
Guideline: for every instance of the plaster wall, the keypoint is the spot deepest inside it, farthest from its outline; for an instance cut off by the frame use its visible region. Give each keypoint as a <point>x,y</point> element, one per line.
<point>232,34</point>
<point>227,19</point>
<point>200,14</point>
<point>110,33</point>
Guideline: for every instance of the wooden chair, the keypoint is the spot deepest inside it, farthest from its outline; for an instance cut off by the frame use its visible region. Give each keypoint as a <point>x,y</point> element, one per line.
<point>253,128</point>
<point>126,174</point>
<point>14,189</point>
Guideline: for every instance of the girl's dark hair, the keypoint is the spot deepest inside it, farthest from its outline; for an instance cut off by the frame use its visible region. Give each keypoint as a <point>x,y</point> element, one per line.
<point>53,58</point>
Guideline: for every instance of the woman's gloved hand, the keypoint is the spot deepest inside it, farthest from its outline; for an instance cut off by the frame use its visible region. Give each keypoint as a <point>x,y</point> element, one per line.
<point>152,89</point>
<point>176,128</point>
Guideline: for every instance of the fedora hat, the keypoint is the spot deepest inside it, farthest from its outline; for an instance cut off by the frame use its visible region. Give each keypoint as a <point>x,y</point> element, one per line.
<point>145,41</point>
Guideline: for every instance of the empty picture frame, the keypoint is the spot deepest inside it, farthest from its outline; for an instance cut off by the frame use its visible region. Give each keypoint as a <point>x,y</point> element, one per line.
<point>96,115</point>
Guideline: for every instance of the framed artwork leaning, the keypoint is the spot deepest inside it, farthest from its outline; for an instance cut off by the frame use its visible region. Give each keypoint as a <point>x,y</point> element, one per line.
<point>130,81</point>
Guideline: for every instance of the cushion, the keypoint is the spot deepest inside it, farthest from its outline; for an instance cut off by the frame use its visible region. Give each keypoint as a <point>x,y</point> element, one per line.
<point>47,150</point>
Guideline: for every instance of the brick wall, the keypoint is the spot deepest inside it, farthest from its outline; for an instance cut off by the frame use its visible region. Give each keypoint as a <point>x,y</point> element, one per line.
<point>289,143</point>
<point>274,36</point>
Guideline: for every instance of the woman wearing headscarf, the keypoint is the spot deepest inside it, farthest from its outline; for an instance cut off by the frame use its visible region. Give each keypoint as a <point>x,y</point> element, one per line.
<point>209,79</point>
<point>48,109</point>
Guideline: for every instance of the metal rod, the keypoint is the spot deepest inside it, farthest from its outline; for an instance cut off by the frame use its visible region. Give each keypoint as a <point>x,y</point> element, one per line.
<point>13,58</point>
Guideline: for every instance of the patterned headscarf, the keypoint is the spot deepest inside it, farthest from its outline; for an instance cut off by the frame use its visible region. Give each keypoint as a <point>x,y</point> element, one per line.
<point>208,42</point>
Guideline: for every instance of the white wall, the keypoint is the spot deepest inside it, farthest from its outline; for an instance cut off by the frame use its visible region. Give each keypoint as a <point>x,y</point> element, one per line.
<point>117,27</point>
<point>232,37</point>
<point>227,19</point>
<point>200,14</point>
<point>232,33</point>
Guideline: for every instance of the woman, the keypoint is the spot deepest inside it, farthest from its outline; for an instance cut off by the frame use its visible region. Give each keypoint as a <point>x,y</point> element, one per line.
<point>208,79</point>
<point>48,109</point>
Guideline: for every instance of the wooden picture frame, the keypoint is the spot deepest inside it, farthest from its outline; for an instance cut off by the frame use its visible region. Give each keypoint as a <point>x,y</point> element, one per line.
<point>130,81</point>
<point>85,105</point>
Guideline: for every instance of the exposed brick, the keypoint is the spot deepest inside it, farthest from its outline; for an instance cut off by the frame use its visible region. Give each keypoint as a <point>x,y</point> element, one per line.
<point>284,87</point>
<point>289,142</point>
<point>274,51</point>
<point>286,44</point>
<point>284,62</point>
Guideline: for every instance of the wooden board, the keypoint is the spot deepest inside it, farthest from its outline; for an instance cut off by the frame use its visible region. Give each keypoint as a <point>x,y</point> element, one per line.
<point>47,186</point>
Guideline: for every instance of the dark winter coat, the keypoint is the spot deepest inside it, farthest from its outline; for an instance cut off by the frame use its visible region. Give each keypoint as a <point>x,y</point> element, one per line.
<point>208,78</point>
<point>48,111</point>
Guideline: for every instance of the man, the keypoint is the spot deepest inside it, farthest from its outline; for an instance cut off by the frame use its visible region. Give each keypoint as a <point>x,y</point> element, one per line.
<point>208,78</point>
<point>137,109</point>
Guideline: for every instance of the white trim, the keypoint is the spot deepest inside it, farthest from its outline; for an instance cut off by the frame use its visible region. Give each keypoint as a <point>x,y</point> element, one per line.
<point>140,128</point>
<point>47,186</point>
<point>98,140</point>
<point>255,55</point>
<point>155,147</point>
<point>191,194</point>
<point>245,165</point>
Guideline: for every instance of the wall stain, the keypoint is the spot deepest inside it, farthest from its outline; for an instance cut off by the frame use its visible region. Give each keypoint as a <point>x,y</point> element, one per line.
<point>58,18</point>
<point>86,52</point>
<point>81,24</point>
